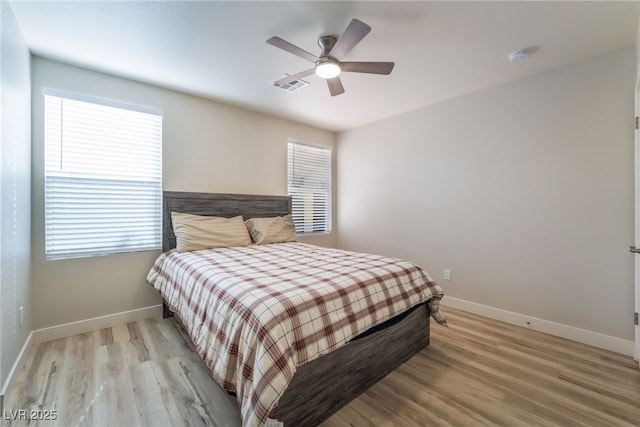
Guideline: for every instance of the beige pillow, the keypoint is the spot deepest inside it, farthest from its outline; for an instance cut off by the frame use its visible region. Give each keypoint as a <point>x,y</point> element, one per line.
<point>195,232</point>
<point>279,229</point>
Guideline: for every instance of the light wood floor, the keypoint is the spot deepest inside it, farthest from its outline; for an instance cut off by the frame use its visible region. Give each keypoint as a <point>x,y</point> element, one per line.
<point>476,372</point>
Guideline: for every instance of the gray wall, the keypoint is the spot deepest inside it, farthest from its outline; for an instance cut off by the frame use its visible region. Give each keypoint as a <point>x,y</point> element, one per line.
<point>15,189</point>
<point>207,146</point>
<point>524,191</point>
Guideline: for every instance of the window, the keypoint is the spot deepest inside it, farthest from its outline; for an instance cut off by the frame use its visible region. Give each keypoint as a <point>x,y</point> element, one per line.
<point>103,177</point>
<point>309,185</point>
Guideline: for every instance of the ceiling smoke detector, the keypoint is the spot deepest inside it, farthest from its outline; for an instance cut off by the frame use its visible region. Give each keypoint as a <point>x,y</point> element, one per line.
<point>522,54</point>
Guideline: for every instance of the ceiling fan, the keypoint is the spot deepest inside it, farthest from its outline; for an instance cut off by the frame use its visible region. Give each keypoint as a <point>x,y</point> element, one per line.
<point>328,65</point>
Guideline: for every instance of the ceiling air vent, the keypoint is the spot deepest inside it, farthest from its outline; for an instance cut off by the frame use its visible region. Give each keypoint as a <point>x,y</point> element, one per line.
<point>292,86</point>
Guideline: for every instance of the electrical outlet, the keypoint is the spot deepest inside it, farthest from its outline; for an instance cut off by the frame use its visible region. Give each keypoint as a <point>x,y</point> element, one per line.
<point>447,274</point>
<point>20,315</point>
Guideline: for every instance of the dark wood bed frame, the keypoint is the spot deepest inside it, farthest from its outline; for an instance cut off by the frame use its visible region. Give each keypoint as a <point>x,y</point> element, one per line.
<point>323,386</point>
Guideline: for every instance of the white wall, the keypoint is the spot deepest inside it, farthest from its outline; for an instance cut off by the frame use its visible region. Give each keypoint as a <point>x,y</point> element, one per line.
<point>15,189</point>
<point>207,146</point>
<point>524,191</point>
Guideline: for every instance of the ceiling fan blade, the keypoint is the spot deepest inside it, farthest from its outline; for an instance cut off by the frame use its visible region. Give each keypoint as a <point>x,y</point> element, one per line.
<point>356,31</point>
<point>335,86</point>
<point>286,80</point>
<point>291,48</point>
<point>368,67</point>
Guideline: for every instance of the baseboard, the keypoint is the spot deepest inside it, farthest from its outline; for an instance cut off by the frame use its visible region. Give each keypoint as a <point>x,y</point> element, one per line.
<point>19,361</point>
<point>583,336</point>
<point>94,324</point>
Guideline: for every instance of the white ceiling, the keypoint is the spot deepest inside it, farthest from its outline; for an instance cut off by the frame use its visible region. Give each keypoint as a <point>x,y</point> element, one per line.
<point>217,49</point>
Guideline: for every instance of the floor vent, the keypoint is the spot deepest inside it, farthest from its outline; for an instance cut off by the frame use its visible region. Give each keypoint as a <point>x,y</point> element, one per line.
<point>293,86</point>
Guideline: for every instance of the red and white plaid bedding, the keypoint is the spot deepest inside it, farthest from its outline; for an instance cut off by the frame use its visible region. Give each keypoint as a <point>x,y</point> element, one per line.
<point>257,313</point>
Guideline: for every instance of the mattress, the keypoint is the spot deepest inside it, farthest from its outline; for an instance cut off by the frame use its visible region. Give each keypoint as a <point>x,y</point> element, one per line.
<point>257,313</point>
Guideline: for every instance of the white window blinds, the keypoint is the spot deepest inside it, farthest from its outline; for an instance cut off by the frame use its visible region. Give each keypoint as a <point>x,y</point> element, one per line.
<point>309,185</point>
<point>103,177</point>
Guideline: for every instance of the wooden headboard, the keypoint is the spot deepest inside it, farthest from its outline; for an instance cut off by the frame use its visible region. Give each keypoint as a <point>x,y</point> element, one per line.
<point>215,204</point>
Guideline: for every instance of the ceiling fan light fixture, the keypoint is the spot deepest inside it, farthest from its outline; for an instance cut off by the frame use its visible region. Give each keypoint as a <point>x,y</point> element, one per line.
<point>327,69</point>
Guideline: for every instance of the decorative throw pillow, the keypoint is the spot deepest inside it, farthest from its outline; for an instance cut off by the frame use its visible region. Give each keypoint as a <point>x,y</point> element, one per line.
<point>195,232</point>
<point>279,229</point>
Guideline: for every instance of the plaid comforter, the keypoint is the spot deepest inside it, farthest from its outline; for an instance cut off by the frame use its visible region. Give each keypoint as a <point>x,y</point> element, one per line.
<point>256,313</point>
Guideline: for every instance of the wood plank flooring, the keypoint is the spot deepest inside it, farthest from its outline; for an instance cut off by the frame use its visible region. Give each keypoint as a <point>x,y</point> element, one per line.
<point>477,372</point>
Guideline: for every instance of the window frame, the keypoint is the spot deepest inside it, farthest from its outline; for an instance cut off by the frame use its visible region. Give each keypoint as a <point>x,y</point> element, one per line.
<point>327,217</point>
<point>146,185</point>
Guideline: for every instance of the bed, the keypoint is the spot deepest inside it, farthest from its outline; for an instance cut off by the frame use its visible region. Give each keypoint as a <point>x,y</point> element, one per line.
<point>316,385</point>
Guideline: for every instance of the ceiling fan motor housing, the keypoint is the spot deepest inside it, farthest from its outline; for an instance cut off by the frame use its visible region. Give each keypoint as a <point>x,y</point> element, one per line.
<point>327,67</point>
